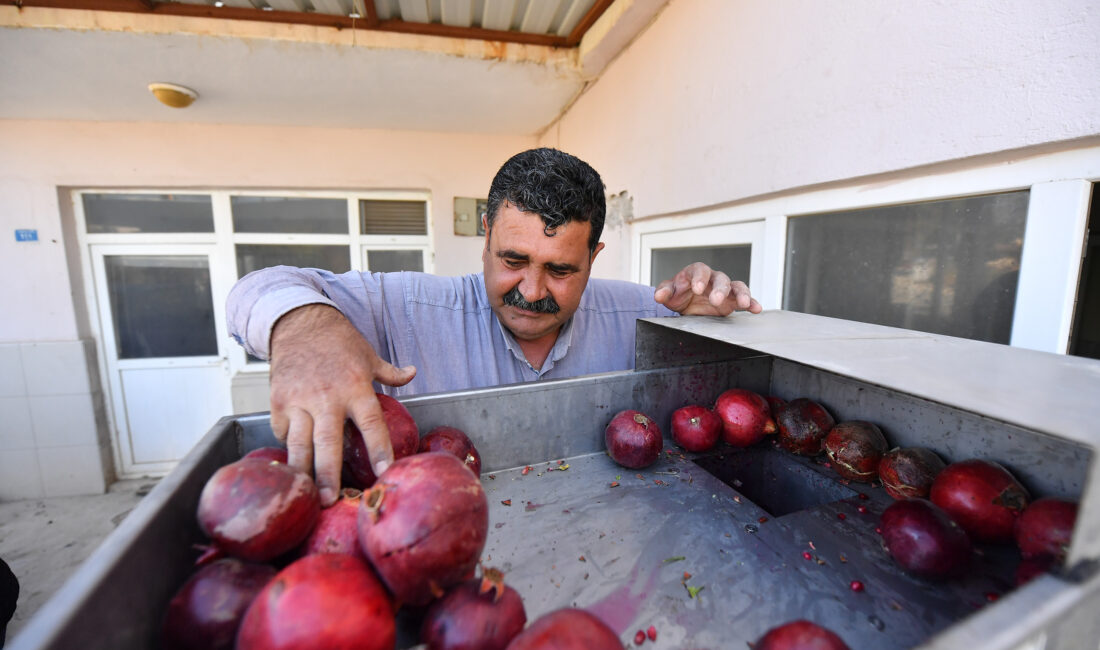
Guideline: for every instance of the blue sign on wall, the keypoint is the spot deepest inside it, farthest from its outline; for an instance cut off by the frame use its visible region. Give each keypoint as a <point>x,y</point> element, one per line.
<point>26,235</point>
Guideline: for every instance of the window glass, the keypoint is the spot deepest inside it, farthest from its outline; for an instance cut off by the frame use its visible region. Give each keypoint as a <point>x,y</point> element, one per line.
<point>1085,338</point>
<point>734,261</point>
<point>147,213</point>
<point>161,305</point>
<point>947,267</point>
<point>289,215</point>
<point>387,261</point>
<point>252,257</point>
<point>393,217</point>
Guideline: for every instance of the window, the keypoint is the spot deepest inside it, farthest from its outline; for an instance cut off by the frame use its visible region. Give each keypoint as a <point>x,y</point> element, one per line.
<point>946,267</point>
<point>148,213</point>
<point>734,261</point>
<point>1085,337</point>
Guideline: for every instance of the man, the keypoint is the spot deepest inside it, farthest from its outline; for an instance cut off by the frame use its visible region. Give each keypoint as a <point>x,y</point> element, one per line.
<point>532,314</point>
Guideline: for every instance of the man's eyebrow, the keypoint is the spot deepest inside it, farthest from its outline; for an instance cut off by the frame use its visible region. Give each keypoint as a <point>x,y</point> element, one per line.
<point>511,254</point>
<point>562,268</point>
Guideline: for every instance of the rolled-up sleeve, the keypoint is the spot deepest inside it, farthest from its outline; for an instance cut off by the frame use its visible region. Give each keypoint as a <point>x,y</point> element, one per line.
<point>260,298</point>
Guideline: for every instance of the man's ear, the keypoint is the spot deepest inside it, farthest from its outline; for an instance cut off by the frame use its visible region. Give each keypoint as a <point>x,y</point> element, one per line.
<point>592,258</point>
<point>485,227</point>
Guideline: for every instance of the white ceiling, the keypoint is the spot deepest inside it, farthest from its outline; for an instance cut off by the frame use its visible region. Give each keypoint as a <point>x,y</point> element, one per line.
<point>75,65</point>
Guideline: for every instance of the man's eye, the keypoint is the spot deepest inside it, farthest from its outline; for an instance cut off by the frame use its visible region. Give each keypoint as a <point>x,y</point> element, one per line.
<point>513,264</point>
<point>560,273</point>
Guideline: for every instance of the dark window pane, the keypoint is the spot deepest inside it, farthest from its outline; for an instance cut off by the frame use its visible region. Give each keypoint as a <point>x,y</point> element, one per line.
<point>293,215</point>
<point>252,257</point>
<point>1085,338</point>
<point>134,213</point>
<point>393,217</point>
<point>386,261</point>
<point>947,267</point>
<point>162,306</point>
<point>734,261</point>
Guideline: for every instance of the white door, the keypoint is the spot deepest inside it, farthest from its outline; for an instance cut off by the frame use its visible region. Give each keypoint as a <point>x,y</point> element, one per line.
<point>162,325</point>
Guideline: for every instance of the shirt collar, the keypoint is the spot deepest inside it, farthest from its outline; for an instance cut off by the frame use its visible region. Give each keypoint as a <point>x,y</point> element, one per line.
<point>561,345</point>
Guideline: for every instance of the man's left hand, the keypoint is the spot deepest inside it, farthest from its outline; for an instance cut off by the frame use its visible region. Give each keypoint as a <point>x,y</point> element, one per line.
<point>699,290</point>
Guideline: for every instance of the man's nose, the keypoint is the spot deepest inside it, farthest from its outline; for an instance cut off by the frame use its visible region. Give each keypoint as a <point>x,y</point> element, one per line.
<point>533,285</point>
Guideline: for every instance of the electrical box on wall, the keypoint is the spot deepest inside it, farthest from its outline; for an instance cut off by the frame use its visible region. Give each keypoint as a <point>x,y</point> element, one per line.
<point>468,214</point>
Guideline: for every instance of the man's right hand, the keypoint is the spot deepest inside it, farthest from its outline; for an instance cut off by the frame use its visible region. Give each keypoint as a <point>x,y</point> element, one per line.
<point>321,374</point>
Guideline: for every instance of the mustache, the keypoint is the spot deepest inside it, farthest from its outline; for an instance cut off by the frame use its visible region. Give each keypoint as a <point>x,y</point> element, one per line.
<point>545,305</point>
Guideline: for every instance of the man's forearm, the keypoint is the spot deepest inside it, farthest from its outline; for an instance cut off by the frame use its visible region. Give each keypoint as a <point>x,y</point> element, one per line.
<point>258,300</point>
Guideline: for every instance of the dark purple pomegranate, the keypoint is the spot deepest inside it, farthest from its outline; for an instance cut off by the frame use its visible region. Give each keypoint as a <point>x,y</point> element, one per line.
<point>633,439</point>
<point>803,424</point>
<point>206,612</point>
<point>924,540</point>
<point>454,441</point>
<point>1046,528</point>
<point>775,405</point>
<point>983,497</point>
<point>337,530</point>
<point>404,436</point>
<point>800,635</point>
<point>854,449</point>
<point>908,473</point>
<point>481,614</point>
<point>328,600</point>
<point>423,525</point>
<point>567,629</point>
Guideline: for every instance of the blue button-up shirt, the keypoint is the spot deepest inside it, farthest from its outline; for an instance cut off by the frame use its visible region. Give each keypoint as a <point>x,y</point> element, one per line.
<point>444,326</point>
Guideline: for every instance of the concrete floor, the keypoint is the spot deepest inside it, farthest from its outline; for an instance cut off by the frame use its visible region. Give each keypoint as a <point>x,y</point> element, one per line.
<point>45,540</point>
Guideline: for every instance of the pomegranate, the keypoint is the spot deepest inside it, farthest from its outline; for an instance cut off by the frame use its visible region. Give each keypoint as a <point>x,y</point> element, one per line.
<point>775,405</point>
<point>277,454</point>
<point>1045,528</point>
<point>328,600</point>
<point>480,614</point>
<point>800,635</point>
<point>404,436</point>
<point>924,540</point>
<point>695,428</point>
<point>454,441</point>
<point>423,525</point>
<point>1033,567</point>
<point>206,612</point>
<point>257,509</point>
<point>746,418</point>
<point>908,473</point>
<point>567,629</point>
<point>855,448</point>
<point>633,439</point>
<point>803,424</point>
<point>983,497</point>
<point>336,530</point>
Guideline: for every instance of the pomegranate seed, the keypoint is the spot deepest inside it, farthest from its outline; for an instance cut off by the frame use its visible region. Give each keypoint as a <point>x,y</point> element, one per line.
<point>878,529</point>
<point>762,519</point>
<point>639,638</point>
<point>863,496</point>
<point>862,510</point>
<point>651,633</point>
<point>856,586</point>
<point>806,555</point>
<point>841,516</point>
<point>992,596</point>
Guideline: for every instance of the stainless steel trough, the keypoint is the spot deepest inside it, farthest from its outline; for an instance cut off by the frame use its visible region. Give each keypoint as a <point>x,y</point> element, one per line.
<point>622,543</point>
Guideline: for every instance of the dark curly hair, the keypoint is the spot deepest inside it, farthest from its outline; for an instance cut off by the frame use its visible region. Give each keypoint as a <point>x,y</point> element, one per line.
<point>553,184</point>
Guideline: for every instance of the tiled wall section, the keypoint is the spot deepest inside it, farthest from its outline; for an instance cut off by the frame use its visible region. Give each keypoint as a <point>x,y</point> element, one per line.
<point>53,431</point>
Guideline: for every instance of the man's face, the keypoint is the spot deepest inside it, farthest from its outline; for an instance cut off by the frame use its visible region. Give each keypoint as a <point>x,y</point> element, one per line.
<point>528,274</point>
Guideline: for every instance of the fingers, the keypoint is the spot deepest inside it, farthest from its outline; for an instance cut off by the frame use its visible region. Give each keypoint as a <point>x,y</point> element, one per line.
<point>367,415</point>
<point>391,375</point>
<point>299,441</point>
<point>328,450</point>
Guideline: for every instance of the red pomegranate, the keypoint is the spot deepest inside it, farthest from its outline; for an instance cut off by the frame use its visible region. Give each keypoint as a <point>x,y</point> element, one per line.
<point>336,530</point>
<point>481,614</point>
<point>206,612</point>
<point>982,496</point>
<point>695,428</point>
<point>800,635</point>
<point>633,439</point>
<point>803,424</point>
<point>567,629</point>
<point>908,473</point>
<point>404,436</point>
<point>328,600</point>
<point>277,454</point>
<point>454,441</point>
<point>924,540</point>
<point>745,416</point>
<point>1046,528</point>
<point>855,448</point>
<point>257,509</point>
<point>1033,567</point>
<point>423,525</point>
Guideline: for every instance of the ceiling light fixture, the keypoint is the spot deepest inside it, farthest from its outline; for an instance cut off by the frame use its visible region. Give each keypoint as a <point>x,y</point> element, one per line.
<point>219,3</point>
<point>173,95</point>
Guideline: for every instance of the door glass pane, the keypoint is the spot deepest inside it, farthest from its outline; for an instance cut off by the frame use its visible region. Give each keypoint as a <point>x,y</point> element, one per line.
<point>251,257</point>
<point>162,305</point>
<point>946,267</point>
<point>133,213</point>
<point>734,261</point>
<point>289,215</point>
<point>378,217</point>
<point>386,261</point>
